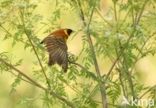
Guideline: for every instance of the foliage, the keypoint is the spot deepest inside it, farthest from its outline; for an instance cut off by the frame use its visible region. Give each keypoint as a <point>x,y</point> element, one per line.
<point>124,35</point>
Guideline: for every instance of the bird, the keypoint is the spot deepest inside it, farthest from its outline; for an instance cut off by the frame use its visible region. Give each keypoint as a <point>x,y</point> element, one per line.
<point>56,46</point>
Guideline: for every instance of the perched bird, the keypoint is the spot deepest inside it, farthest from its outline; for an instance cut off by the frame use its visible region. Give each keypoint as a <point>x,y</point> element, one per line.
<point>56,46</point>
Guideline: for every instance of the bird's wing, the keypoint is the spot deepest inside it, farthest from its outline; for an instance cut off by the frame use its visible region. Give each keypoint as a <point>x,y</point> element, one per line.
<point>57,49</point>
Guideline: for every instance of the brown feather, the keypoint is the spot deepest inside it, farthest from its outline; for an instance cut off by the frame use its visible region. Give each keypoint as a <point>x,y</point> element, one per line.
<point>55,44</point>
<point>57,49</point>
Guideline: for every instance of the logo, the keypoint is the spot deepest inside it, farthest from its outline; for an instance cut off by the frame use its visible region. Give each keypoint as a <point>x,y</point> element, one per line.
<point>138,102</point>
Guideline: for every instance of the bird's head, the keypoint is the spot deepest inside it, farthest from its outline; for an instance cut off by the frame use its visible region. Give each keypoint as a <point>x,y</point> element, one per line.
<point>60,33</point>
<point>68,31</point>
<point>65,33</point>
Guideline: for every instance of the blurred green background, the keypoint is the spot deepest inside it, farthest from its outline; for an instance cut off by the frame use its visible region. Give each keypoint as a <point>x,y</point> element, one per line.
<point>146,67</point>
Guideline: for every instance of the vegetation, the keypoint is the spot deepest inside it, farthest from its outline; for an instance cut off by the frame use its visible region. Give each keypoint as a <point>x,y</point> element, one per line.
<point>123,35</point>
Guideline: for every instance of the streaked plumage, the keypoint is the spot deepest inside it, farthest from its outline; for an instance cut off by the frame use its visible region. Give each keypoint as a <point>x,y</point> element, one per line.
<point>56,46</point>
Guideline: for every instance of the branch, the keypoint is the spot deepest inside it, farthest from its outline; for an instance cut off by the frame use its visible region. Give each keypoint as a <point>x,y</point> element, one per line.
<point>102,85</point>
<point>81,13</point>
<point>79,65</point>
<point>21,73</point>
<point>141,12</point>
<point>91,44</point>
<point>92,75</point>
<point>35,51</point>
<point>112,67</point>
<point>37,84</point>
